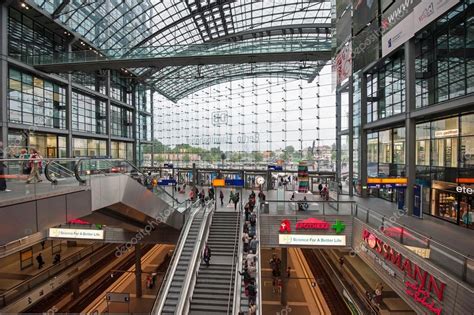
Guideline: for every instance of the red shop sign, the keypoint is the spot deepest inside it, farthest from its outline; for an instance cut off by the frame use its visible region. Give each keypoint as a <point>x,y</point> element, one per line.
<point>312,224</point>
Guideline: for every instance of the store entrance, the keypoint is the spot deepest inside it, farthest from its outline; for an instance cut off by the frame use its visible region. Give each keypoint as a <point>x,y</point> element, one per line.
<point>450,202</point>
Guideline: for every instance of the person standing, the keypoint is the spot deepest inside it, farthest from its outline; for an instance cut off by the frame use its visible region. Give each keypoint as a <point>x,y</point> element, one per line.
<point>35,164</point>
<point>3,182</point>
<point>207,255</point>
<point>57,259</point>
<point>221,196</point>
<point>236,201</point>
<point>40,261</point>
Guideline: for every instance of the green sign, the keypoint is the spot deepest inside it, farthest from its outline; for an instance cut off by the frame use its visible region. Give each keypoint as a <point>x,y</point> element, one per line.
<point>338,226</point>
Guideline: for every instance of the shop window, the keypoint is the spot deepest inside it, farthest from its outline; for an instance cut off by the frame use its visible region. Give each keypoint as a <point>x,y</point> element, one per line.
<point>385,146</point>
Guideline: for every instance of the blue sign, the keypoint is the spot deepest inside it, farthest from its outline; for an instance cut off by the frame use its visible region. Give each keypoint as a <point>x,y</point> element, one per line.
<point>234,182</point>
<point>167,182</point>
<point>168,165</point>
<point>275,168</point>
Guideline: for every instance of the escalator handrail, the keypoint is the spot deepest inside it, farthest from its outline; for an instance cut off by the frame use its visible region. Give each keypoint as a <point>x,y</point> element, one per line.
<point>184,301</point>
<point>258,276</point>
<point>238,277</point>
<point>59,166</point>
<point>169,275</point>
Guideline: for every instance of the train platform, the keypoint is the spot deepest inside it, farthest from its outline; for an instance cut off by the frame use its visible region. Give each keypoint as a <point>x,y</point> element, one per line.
<point>303,293</point>
<point>12,273</point>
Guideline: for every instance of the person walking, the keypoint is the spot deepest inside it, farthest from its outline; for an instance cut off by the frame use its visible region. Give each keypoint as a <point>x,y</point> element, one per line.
<point>3,182</point>
<point>207,255</point>
<point>231,197</point>
<point>221,197</point>
<point>40,261</point>
<point>236,200</point>
<point>35,164</point>
<point>57,259</point>
<point>341,261</point>
<point>320,188</point>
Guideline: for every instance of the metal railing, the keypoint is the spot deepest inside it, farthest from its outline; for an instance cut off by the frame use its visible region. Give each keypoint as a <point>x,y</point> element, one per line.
<point>12,294</point>
<point>171,270</point>
<point>258,276</point>
<point>456,263</point>
<point>236,265</point>
<point>238,277</point>
<point>184,301</point>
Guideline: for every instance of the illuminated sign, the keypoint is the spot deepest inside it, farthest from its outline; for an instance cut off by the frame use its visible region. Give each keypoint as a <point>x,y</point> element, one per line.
<point>465,180</point>
<point>464,190</point>
<point>422,279</point>
<point>83,234</point>
<point>312,224</point>
<point>420,251</point>
<point>312,240</point>
<point>218,182</point>
<point>285,226</point>
<point>387,180</point>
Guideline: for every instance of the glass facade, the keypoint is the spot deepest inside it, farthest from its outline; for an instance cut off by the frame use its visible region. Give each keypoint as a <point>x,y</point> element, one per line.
<point>35,101</point>
<point>48,145</point>
<point>444,64</point>
<point>121,122</point>
<point>89,114</point>
<point>89,147</point>
<point>122,150</point>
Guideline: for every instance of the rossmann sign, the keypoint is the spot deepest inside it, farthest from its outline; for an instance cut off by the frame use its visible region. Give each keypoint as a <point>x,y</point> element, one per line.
<point>423,287</point>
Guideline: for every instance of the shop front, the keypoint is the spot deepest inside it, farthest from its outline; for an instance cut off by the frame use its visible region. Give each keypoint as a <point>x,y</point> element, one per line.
<point>48,145</point>
<point>453,202</point>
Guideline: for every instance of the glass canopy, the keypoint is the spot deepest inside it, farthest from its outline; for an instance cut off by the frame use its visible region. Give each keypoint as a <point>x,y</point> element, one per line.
<point>128,25</point>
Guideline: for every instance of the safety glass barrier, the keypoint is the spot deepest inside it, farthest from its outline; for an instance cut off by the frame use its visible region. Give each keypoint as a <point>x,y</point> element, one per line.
<point>458,264</point>
<point>32,176</point>
<point>300,206</point>
<point>168,51</point>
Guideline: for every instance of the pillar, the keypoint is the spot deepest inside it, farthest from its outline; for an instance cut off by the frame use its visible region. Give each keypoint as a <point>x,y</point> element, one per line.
<point>338,136</point>
<point>363,136</point>
<point>69,144</point>
<point>284,265</point>
<point>410,125</point>
<point>3,78</point>
<point>268,180</point>
<point>351,135</point>
<point>138,270</point>
<point>109,114</point>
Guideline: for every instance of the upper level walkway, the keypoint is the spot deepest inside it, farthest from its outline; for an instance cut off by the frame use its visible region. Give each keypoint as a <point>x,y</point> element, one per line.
<point>182,55</point>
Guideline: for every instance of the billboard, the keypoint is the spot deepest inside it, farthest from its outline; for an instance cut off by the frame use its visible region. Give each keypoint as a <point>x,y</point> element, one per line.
<point>343,63</point>
<point>343,29</point>
<point>312,240</point>
<point>406,17</point>
<point>83,234</point>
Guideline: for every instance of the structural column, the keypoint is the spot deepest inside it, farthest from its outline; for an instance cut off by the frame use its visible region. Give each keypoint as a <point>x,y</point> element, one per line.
<point>69,146</point>
<point>363,136</point>
<point>3,79</point>
<point>351,135</point>
<point>109,114</point>
<point>338,136</point>
<point>284,265</point>
<point>138,270</point>
<point>410,125</point>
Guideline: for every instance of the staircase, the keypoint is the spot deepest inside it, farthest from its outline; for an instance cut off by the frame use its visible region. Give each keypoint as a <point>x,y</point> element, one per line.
<point>182,268</point>
<point>214,289</point>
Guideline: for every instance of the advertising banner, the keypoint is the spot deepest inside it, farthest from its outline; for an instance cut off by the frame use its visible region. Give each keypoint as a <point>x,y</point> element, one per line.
<point>343,63</point>
<point>343,29</point>
<point>83,234</point>
<point>365,12</point>
<point>365,49</point>
<point>313,240</point>
<point>406,17</point>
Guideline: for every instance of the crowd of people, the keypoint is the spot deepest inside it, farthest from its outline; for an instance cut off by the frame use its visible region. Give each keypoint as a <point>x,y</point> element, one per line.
<point>250,248</point>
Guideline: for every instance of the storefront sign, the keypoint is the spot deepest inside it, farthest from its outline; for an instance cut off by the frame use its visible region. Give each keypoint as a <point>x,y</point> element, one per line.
<point>464,190</point>
<point>315,240</point>
<point>446,133</point>
<point>312,224</point>
<point>343,63</point>
<point>83,234</point>
<point>426,289</point>
<point>285,226</point>
<point>420,251</point>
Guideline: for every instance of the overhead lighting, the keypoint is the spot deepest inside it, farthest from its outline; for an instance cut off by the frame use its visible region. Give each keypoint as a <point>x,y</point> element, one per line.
<point>23,5</point>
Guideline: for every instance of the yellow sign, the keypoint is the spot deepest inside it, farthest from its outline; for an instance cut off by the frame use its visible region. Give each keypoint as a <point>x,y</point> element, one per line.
<point>218,182</point>
<point>420,251</point>
<point>389,180</point>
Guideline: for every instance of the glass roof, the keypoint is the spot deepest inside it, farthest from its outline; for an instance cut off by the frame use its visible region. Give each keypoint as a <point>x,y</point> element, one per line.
<point>122,24</point>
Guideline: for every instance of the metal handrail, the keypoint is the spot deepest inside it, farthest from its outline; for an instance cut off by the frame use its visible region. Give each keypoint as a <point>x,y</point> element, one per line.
<point>235,255</point>
<point>171,270</point>
<point>238,277</point>
<point>258,276</point>
<point>184,300</point>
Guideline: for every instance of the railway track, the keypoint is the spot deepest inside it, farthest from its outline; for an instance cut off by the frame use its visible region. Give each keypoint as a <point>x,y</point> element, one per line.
<point>65,292</point>
<point>332,297</point>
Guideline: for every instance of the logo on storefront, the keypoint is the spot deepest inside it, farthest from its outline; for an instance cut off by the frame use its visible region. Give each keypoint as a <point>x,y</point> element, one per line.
<point>285,226</point>
<point>464,190</point>
<point>339,227</point>
<point>312,224</point>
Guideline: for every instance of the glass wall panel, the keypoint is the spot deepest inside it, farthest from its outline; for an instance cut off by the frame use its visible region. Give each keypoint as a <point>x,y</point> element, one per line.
<point>88,114</point>
<point>385,146</point>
